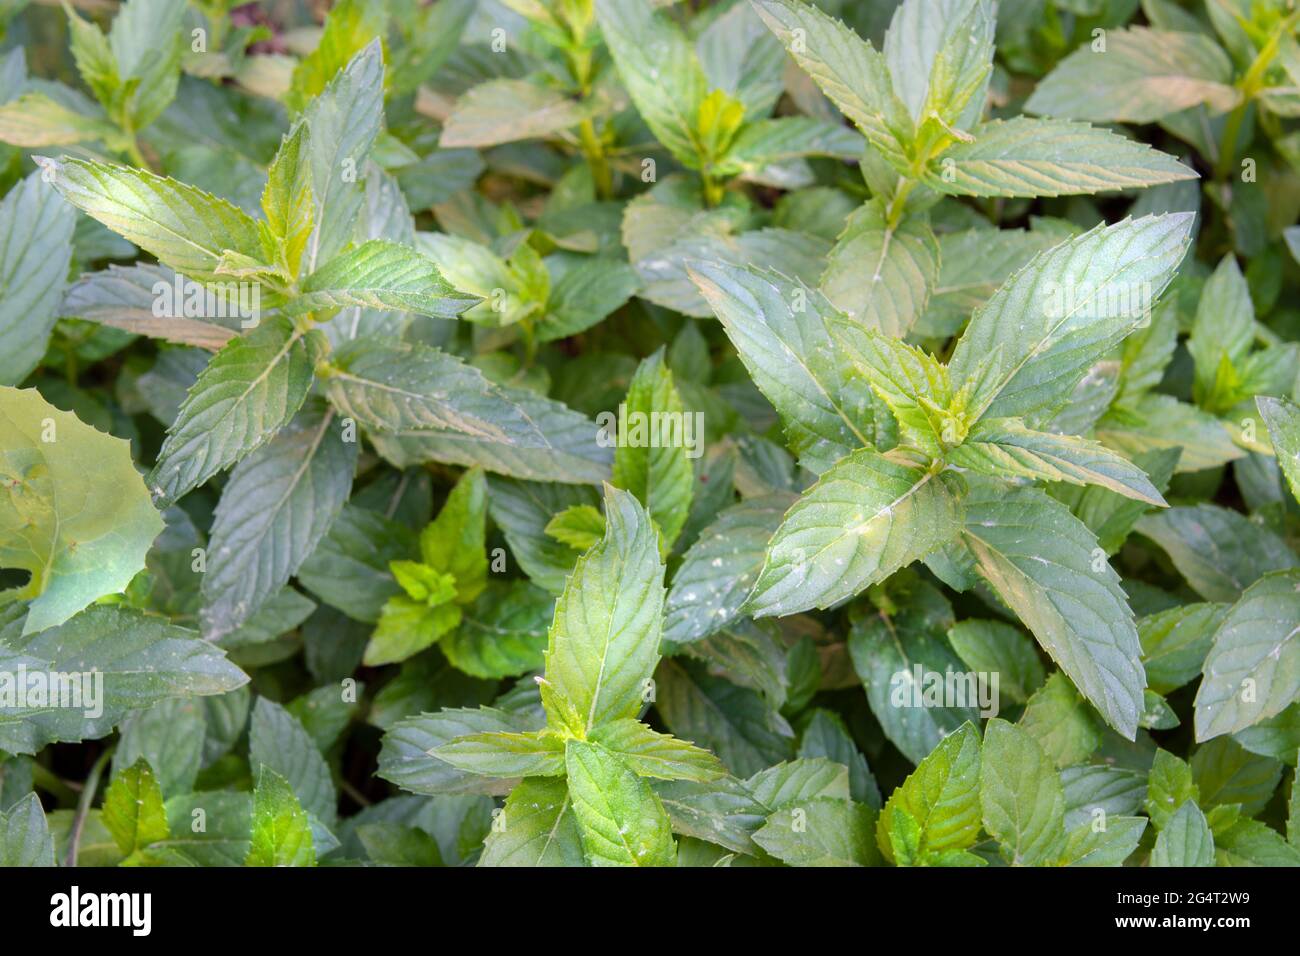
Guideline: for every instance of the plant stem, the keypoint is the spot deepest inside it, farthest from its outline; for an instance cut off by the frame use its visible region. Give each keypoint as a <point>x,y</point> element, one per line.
<point>594,151</point>
<point>83,805</point>
<point>51,783</point>
<point>1249,84</point>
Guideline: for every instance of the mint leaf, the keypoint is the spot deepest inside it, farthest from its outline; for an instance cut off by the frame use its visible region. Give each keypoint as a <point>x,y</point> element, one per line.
<point>281,833</point>
<point>1139,76</point>
<point>37,233</point>
<point>133,809</point>
<point>653,461</point>
<point>779,328</point>
<point>1021,796</point>
<point>187,229</point>
<point>881,273</point>
<point>1028,157</point>
<point>249,390</point>
<point>604,641</point>
<point>1040,560</point>
<point>277,506</point>
<point>866,517</point>
<point>1185,839</point>
<point>1253,668</point>
<point>621,821</point>
<point>1283,421</point>
<point>25,834</point>
<point>76,515</point>
<point>936,810</point>
<point>1045,326</point>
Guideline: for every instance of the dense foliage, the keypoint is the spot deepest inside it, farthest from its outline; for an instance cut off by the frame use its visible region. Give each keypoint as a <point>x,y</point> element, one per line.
<point>615,432</point>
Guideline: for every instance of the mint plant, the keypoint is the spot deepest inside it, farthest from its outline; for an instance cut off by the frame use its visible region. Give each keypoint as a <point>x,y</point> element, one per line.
<point>617,433</point>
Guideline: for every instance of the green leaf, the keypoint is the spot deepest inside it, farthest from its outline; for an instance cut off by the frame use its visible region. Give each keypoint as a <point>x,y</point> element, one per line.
<point>1043,562</point>
<point>733,722</point>
<point>184,227</point>
<point>349,569</point>
<point>506,110</point>
<point>405,758</point>
<point>36,231</point>
<point>169,736</point>
<point>392,386</point>
<point>1163,422</point>
<point>503,633</point>
<point>826,736</point>
<point>133,809</point>
<point>455,542</point>
<point>649,753</point>
<point>881,274</point>
<point>396,845</point>
<point>620,818</point>
<point>821,832</point>
<point>1086,845</point>
<point>584,294</point>
<point>992,647</point>
<point>94,58</point>
<point>1227,775</point>
<point>771,141</point>
<point>287,200</point>
<point>942,799</point>
<point>1222,333</point>
<point>795,781</point>
<point>555,444</point>
<point>1217,550</point>
<point>146,43</point>
<point>505,754</point>
<point>660,71</point>
<point>866,517</point>
<point>779,328</point>
<point>1004,447</point>
<point>281,832</point>
<point>142,659</point>
<point>1283,421</point>
<point>1253,668</point>
<point>250,389</point>
<point>1021,796</point>
<point>847,69</point>
<point>406,627</point>
<point>25,835</point>
<point>578,526</point>
<point>909,380</point>
<point>1251,843</point>
<point>1095,789</point>
<point>277,740</point>
<point>653,462</point>
<point>1029,157</point>
<point>1030,344</point>
<point>349,26</point>
<point>718,570</point>
<point>344,121</point>
<point>1185,839</point>
<point>380,275</point>
<point>1109,515</point>
<point>604,640</point>
<point>540,829</point>
<point>35,120</point>
<point>898,657</point>
<point>1169,786</point>
<point>1137,76</point>
<point>277,506</point>
<point>940,56</point>
<point>75,514</point>
<point>1064,726</point>
<point>123,298</point>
